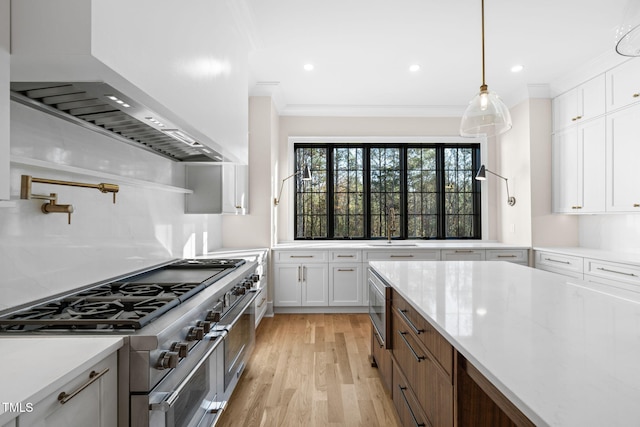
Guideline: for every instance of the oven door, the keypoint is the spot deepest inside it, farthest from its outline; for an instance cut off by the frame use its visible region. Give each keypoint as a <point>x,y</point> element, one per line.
<point>380,307</point>
<point>195,399</point>
<point>240,339</point>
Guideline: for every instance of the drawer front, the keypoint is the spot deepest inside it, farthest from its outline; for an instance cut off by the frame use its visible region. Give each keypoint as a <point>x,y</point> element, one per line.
<point>345,256</point>
<point>432,387</point>
<point>462,255</point>
<point>559,262</point>
<point>425,333</point>
<point>618,272</point>
<point>403,255</point>
<point>511,255</point>
<point>301,256</point>
<point>406,403</point>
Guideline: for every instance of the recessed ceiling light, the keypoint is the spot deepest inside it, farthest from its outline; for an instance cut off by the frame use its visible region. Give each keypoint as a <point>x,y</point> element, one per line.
<point>308,67</point>
<point>413,68</point>
<point>517,68</point>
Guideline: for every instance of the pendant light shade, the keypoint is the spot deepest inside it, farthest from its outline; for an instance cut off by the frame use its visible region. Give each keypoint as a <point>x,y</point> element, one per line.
<point>486,114</point>
<point>628,33</point>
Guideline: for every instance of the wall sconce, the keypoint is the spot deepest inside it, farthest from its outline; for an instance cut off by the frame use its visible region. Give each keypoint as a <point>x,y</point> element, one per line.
<point>306,176</point>
<point>481,176</point>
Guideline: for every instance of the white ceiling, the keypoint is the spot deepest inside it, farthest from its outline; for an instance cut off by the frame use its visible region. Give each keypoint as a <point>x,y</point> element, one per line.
<point>362,49</point>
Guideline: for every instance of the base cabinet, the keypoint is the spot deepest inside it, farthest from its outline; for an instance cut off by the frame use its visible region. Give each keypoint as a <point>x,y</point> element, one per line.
<point>91,400</point>
<point>381,359</point>
<point>406,403</point>
<point>298,285</point>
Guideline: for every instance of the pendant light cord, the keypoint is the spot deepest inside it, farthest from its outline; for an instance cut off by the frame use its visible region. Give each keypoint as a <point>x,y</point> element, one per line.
<point>483,82</point>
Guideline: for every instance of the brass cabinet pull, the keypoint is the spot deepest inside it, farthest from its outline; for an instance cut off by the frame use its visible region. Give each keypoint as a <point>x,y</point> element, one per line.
<point>460,251</point>
<point>406,402</point>
<point>576,207</point>
<point>635,95</point>
<point>300,256</point>
<point>409,322</point>
<point>507,256</point>
<point>617,272</point>
<point>346,269</point>
<point>401,256</point>
<point>93,377</point>
<point>345,256</point>
<point>636,205</point>
<point>262,302</point>
<point>555,260</point>
<point>299,269</point>
<point>418,358</point>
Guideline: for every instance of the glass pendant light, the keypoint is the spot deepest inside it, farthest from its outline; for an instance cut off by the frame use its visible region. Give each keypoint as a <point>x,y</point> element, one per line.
<point>486,114</point>
<point>628,33</point>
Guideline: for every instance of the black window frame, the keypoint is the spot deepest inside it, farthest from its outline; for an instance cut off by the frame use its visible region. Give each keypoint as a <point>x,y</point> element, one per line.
<point>403,220</point>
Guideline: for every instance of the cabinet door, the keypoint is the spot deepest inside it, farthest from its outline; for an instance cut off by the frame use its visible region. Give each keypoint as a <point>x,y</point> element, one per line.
<point>591,166</point>
<point>623,86</point>
<point>235,189</point>
<point>623,152</point>
<point>582,103</point>
<point>564,176</point>
<point>345,284</point>
<point>564,109</point>
<point>93,405</point>
<point>315,285</point>
<point>288,285</point>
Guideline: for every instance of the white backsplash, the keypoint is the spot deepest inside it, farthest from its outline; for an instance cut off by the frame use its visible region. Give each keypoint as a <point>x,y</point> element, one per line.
<point>42,255</point>
<point>615,232</point>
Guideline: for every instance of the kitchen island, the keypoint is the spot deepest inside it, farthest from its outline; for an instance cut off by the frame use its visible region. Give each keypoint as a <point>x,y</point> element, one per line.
<point>561,352</point>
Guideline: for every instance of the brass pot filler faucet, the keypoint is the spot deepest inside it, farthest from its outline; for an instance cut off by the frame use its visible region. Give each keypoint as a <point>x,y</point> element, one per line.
<point>52,206</point>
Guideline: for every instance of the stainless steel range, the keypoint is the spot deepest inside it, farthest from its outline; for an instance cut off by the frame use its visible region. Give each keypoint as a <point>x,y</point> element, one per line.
<point>188,328</point>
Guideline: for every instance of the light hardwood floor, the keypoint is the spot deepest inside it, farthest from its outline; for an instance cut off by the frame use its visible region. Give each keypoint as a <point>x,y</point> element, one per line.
<point>311,370</point>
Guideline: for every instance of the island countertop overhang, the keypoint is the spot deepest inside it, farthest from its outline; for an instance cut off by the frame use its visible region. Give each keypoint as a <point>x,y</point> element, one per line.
<point>563,353</point>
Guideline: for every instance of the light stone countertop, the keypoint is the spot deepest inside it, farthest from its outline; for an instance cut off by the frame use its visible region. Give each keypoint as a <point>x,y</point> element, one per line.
<point>395,244</point>
<point>34,367</point>
<point>562,352</point>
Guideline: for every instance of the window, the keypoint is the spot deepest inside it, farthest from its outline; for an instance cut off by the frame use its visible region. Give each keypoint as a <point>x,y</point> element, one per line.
<point>375,190</point>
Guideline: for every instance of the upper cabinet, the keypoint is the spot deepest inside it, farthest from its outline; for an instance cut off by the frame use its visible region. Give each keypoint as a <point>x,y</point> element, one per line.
<point>580,104</point>
<point>623,152</point>
<point>217,189</point>
<point>194,75</point>
<point>623,85</point>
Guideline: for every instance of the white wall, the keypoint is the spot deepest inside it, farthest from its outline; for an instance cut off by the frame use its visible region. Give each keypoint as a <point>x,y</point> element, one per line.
<point>41,255</point>
<point>4,97</point>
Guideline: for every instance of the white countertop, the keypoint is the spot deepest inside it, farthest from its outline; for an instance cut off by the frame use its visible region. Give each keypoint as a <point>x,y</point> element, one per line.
<point>563,353</point>
<point>395,244</point>
<point>34,367</point>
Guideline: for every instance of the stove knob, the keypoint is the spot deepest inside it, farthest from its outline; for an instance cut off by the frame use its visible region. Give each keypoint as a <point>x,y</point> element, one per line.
<point>182,348</point>
<point>212,316</point>
<point>255,277</point>
<point>195,333</point>
<point>240,290</point>
<point>168,360</point>
<point>205,325</point>
<point>247,284</point>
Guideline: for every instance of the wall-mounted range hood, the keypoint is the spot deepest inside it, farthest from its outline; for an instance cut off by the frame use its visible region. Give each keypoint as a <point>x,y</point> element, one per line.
<point>101,108</point>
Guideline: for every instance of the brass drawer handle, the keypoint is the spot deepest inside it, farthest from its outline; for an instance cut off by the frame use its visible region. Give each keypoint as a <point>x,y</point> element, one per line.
<point>345,256</point>
<point>300,256</point>
<point>635,95</point>
<point>507,256</point>
<point>401,256</point>
<point>409,322</point>
<point>418,358</point>
<point>93,377</point>
<point>614,271</point>
<point>460,251</point>
<point>636,205</point>
<point>406,402</point>
<point>261,302</point>
<point>558,261</point>
<point>346,269</point>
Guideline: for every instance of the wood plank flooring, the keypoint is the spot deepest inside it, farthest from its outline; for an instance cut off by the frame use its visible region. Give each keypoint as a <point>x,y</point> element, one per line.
<point>311,370</point>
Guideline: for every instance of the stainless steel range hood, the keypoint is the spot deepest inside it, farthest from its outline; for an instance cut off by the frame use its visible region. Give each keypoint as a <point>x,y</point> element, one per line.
<point>101,108</point>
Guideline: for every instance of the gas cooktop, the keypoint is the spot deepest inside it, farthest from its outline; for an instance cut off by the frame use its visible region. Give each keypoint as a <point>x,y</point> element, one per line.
<point>129,303</point>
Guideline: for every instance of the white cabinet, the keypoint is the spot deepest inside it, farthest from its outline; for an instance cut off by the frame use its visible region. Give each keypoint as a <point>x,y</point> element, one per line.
<point>579,104</point>
<point>578,157</point>
<point>518,256</point>
<point>566,265</point>
<point>403,255</point>
<point>91,400</point>
<point>346,278</point>
<point>462,255</point>
<point>622,153</point>
<point>301,279</point>
<point>217,189</point>
<point>623,85</point>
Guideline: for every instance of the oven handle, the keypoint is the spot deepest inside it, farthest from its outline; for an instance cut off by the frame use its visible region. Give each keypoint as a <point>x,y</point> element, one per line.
<point>168,402</point>
<point>246,304</point>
